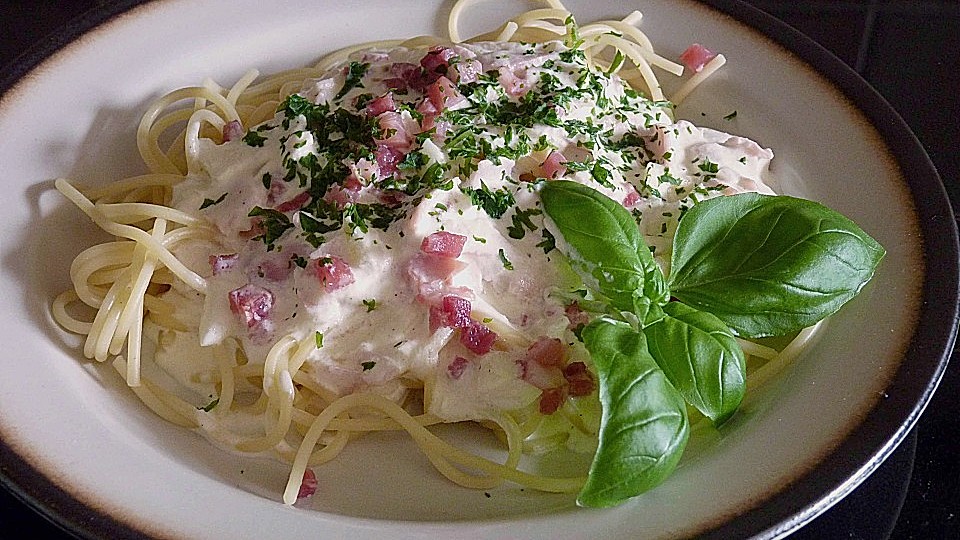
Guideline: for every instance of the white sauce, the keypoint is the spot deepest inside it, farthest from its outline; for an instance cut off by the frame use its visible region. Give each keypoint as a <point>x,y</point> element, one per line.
<point>369,346</point>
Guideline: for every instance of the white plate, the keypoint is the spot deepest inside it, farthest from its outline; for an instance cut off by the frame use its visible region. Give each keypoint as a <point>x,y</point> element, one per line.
<point>79,445</point>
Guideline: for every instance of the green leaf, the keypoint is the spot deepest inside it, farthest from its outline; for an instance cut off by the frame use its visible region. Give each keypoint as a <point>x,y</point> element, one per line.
<point>701,358</point>
<point>643,426</point>
<point>605,238</point>
<point>210,406</point>
<point>355,73</point>
<point>273,224</point>
<point>769,265</point>
<point>210,202</point>
<point>494,202</point>
<point>252,138</point>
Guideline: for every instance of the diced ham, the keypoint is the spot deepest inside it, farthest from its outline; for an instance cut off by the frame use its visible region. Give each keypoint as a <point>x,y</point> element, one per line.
<point>222,263</point>
<point>632,198</point>
<point>551,399</point>
<point>579,380</point>
<point>548,352</point>
<point>276,191</point>
<point>696,56</point>
<point>443,244</point>
<point>375,56</point>
<point>232,130</point>
<point>477,337</point>
<point>452,312</point>
<point>380,105</point>
<point>348,192</point>
<point>539,375</point>
<point>465,71</point>
<point>295,203</point>
<point>251,303</point>
<point>340,195</point>
<point>309,484</point>
<point>576,316</point>
<point>333,272</point>
<point>443,94</point>
<point>404,76</point>
<point>394,132</point>
<point>256,229</point>
<point>441,128</point>
<point>437,61</point>
<point>428,112</point>
<point>391,197</point>
<point>431,274</point>
<point>513,84</point>
<point>554,166</point>
<point>457,367</point>
<point>387,159</point>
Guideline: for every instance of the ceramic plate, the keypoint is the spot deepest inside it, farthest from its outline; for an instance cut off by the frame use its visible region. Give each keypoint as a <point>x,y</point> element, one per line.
<point>82,448</point>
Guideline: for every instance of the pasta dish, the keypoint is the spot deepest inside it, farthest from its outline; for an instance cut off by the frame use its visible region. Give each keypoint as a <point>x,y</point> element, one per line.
<point>509,229</point>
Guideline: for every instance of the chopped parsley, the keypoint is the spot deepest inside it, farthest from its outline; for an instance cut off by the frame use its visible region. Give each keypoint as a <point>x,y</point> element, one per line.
<point>273,224</point>
<point>209,406</point>
<point>708,166</point>
<point>253,138</point>
<point>298,260</point>
<point>371,304</point>
<point>355,74</point>
<point>503,259</point>
<point>521,223</point>
<point>549,242</point>
<point>318,338</point>
<point>210,202</point>
<point>494,202</point>
<point>367,366</point>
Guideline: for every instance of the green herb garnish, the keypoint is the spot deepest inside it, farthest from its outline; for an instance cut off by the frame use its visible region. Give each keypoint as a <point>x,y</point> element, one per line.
<point>210,202</point>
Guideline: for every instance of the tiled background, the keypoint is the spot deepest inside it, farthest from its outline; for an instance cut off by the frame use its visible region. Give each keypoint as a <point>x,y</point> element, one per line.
<point>910,52</point>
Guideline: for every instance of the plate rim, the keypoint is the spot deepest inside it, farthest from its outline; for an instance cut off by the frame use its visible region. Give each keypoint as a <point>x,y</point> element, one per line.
<point>813,491</point>
<point>836,475</point>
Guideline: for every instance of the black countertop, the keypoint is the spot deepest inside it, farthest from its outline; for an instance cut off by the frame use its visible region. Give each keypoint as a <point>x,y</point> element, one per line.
<point>910,52</point>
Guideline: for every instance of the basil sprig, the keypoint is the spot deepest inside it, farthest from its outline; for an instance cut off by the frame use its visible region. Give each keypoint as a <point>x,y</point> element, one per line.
<point>634,393</point>
<point>749,264</point>
<point>769,265</point>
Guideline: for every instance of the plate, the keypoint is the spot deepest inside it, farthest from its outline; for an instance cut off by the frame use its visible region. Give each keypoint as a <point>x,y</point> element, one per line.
<point>80,447</point>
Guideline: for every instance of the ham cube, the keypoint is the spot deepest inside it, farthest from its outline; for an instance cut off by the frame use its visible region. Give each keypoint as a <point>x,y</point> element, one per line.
<point>696,56</point>
<point>546,352</point>
<point>309,484</point>
<point>443,244</point>
<point>579,380</point>
<point>554,166</point>
<point>457,367</point>
<point>222,263</point>
<point>380,105</point>
<point>477,337</point>
<point>551,400</point>
<point>232,130</point>
<point>333,272</point>
<point>453,312</point>
<point>251,303</point>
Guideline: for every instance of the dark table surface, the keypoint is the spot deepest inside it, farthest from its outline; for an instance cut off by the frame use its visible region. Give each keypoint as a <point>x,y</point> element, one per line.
<point>910,52</point>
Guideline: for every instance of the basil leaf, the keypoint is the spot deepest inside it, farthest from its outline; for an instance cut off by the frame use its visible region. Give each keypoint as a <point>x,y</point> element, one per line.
<point>701,358</point>
<point>769,265</point>
<point>643,426</point>
<point>606,240</point>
